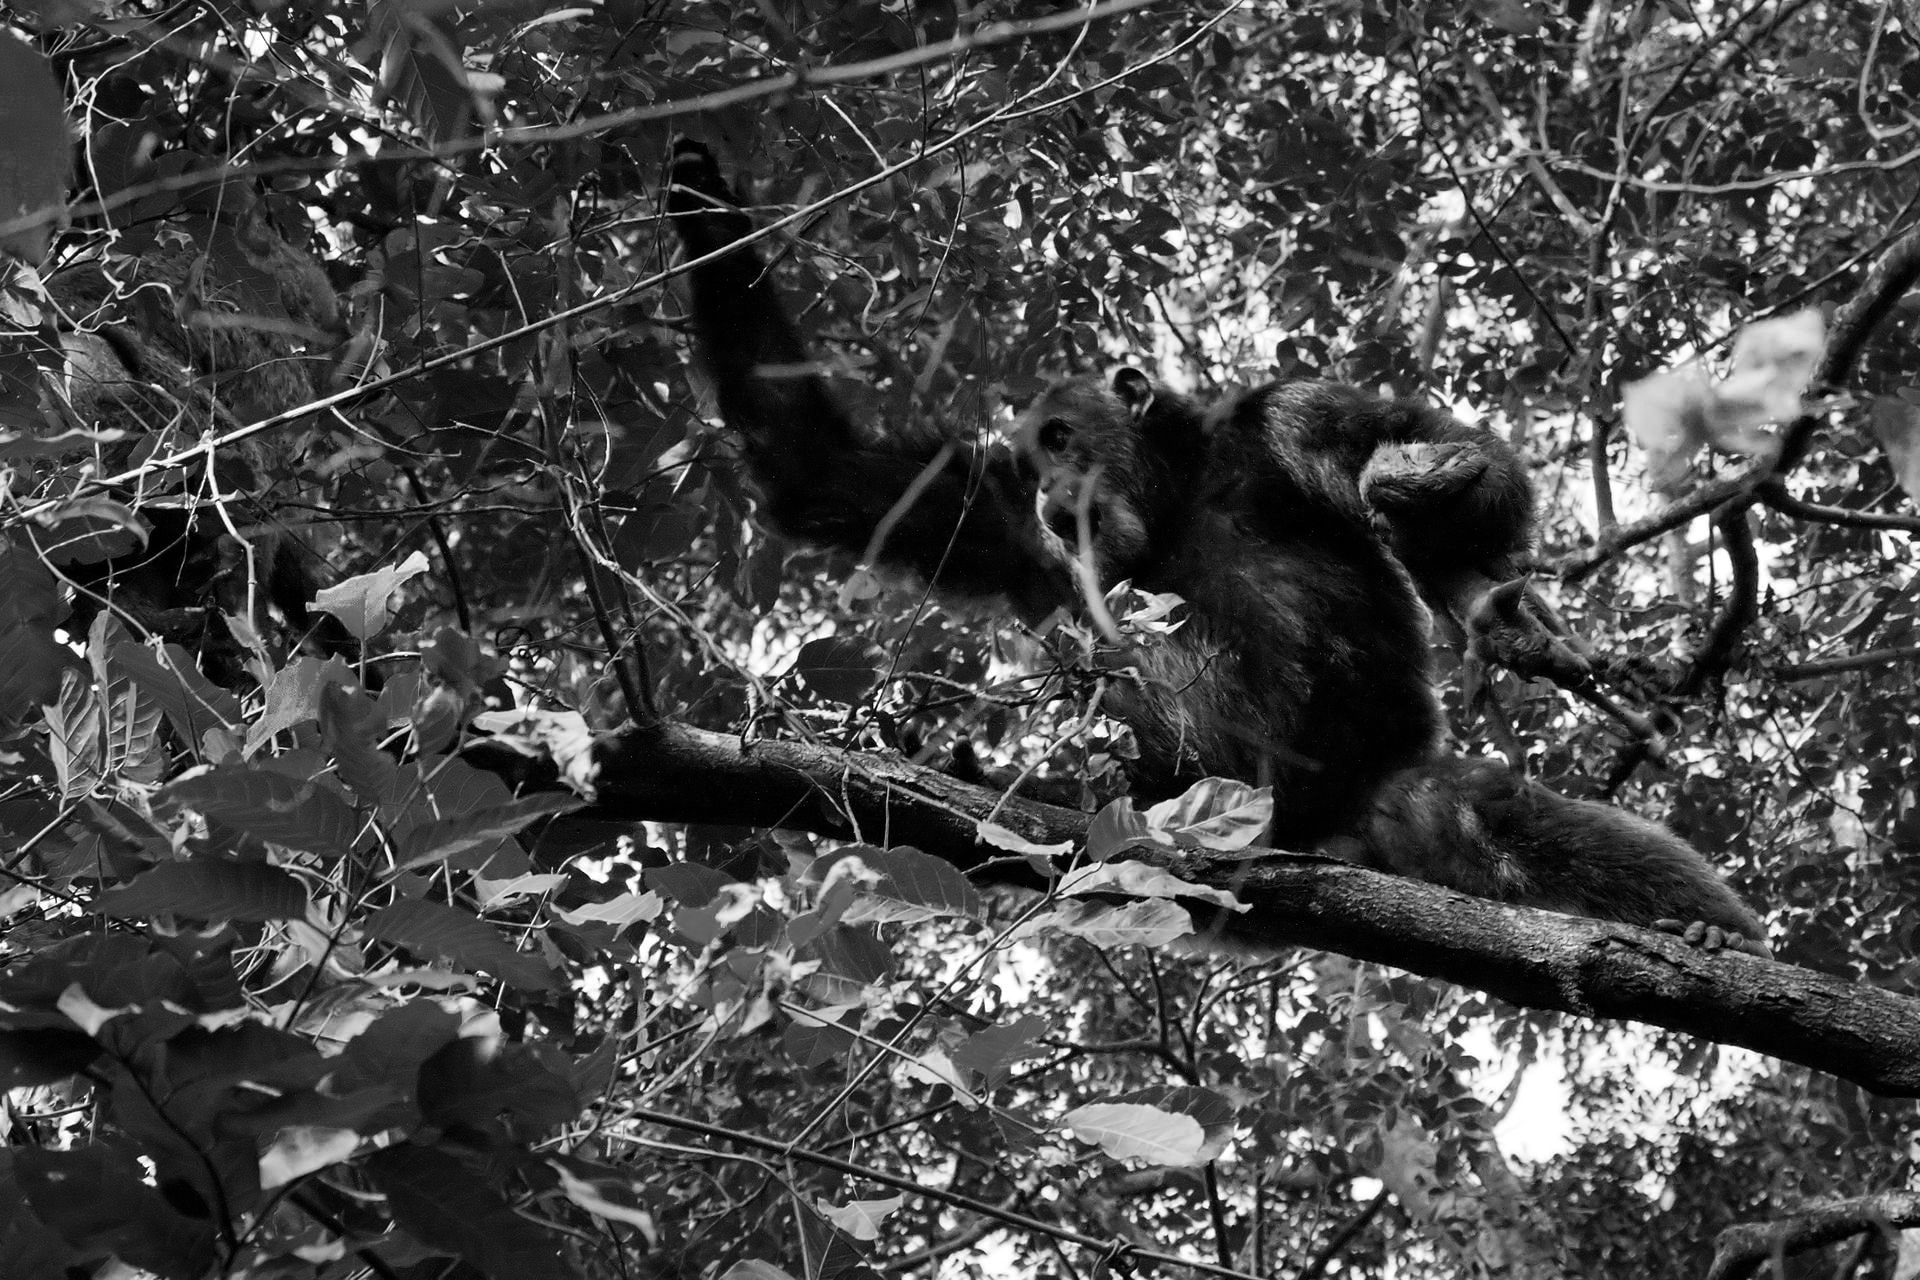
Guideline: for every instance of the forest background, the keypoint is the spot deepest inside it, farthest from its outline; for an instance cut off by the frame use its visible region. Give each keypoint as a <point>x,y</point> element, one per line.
<point>355,469</point>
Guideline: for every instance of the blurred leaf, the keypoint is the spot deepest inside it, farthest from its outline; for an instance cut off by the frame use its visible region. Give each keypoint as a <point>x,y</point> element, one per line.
<point>1896,425</point>
<point>33,148</point>
<point>302,1149</point>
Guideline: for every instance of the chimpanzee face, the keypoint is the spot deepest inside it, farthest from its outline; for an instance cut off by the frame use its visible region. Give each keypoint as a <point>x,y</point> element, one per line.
<point>1082,439</point>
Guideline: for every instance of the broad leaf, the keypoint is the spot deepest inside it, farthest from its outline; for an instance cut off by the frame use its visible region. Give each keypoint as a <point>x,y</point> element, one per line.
<point>1132,1131</point>
<point>446,1206</point>
<point>1215,813</point>
<point>840,668</point>
<point>366,604</point>
<point>269,805</point>
<point>430,929</point>
<point>208,889</point>
<point>1144,924</point>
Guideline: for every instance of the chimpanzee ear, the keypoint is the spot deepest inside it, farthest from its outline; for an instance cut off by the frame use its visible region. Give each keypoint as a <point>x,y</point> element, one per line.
<point>1135,392</point>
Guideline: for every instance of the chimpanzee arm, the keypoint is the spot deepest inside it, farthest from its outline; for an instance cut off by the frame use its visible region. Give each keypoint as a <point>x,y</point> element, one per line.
<point>957,512</point>
<point>1453,501</point>
<point>1458,507</point>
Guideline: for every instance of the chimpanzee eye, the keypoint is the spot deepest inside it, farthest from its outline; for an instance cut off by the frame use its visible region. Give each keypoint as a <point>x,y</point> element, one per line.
<point>1054,434</point>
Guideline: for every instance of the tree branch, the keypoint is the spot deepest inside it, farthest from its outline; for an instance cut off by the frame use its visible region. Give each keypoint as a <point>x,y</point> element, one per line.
<point>674,773</point>
<point>1741,608</point>
<point>1741,1250</point>
<point>1818,667</point>
<point>1775,495</point>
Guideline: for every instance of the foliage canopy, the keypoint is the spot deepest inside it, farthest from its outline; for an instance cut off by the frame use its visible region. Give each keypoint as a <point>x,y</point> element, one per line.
<point>373,297</point>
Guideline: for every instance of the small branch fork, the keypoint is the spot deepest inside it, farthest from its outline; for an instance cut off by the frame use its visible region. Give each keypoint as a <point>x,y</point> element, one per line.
<point>1728,501</point>
<point>1886,281</point>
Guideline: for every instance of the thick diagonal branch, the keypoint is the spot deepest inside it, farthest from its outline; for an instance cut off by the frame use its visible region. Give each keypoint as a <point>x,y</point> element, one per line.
<point>673,773</point>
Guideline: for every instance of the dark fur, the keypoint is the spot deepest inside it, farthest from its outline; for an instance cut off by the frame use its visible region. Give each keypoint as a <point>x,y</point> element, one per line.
<point>1297,520</point>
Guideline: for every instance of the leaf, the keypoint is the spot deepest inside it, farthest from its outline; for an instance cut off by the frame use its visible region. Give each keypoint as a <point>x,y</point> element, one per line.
<point>96,1198</point>
<point>1115,829</point>
<point>208,889</point>
<point>74,736</point>
<point>754,1269</point>
<point>989,1053</point>
<point>430,929</point>
<point>688,884</point>
<point>935,1067</point>
<point>1896,425</point>
<point>1142,881</point>
<point>1002,838</point>
<point>191,702</point>
<point>563,735</point>
<point>89,530</point>
<point>816,1035</point>
<point>1666,415</point>
<point>1215,813</point>
<point>349,730</point>
<point>43,1055</point>
<point>31,660</point>
<point>34,147</point>
<point>840,668</point>
<point>628,908</point>
<point>293,697</point>
<point>912,886</point>
<point>394,1045</point>
<point>134,747</point>
<point>861,1219</point>
<point>849,958</point>
<point>299,1150</point>
<point>1145,924</point>
<point>1132,1131</point>
<point>1211,1110</point>
<point>365,604</point>
<point>439,840</point>
<point>31,665</point>
<point>441,1203</point>
<point>500,893</point>
<point>605,1193</point>
<point>1772,362</point>
<point>508,1092</point>
<point>269,805</point>
<point>421,67</point>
